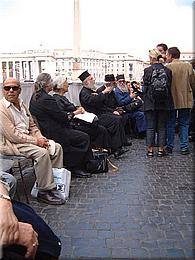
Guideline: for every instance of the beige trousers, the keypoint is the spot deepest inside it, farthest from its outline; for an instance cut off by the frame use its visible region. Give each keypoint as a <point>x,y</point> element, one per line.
<point>43,163</point>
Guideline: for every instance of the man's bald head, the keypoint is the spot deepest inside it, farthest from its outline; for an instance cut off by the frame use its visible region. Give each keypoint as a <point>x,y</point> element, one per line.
<point>11,90</point>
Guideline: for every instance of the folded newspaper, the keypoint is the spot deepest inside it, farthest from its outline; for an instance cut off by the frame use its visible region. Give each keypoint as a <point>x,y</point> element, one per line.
<point>87,117</point>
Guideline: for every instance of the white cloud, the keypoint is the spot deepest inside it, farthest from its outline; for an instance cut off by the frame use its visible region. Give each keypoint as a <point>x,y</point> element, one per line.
<point>107,25</point>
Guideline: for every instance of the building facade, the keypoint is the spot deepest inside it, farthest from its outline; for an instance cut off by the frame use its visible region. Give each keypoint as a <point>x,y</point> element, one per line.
<point>28,64</point>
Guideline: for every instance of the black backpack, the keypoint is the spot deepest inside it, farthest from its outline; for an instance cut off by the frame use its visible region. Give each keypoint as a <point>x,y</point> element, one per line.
<point>158,83</point>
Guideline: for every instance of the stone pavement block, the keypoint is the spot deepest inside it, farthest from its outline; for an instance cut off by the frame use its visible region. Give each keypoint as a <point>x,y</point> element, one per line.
<point>121,253</point>
<point>102,226</point>
<point>88,242</point>
<point>103,234</point>
<point>139,253</point>
<point>93,252</point>
<point>175,253</point>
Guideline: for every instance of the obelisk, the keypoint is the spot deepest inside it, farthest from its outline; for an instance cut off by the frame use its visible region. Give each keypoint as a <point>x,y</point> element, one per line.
<point>76,43</point>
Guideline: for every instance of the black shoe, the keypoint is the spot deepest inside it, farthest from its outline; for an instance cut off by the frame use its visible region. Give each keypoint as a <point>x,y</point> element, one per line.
<point>128,143</point>
<point>141,135</point>
<point>185,151</point>
<point>52,197</point>
<point>80,174</point>
<point>169,150</point>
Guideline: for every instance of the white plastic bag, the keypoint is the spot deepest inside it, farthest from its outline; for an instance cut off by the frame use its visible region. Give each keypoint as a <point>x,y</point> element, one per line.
<point>62,178</point>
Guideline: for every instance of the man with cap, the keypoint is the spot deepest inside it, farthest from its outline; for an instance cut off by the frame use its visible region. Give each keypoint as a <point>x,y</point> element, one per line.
<point>111,102</point>
<point>124,98</point>
<point>19,135</point>
<point>94,102</point>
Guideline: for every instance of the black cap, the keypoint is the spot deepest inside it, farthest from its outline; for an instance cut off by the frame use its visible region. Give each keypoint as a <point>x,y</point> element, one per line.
<point>84,75</point>
<point>109,77</point>
<point>121,76</point>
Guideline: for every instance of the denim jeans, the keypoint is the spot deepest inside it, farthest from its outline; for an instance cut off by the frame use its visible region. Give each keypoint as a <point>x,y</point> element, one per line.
<point>156,123</point>
<point>139,118</point>
<point>183,121</point>
<point>10,180</point>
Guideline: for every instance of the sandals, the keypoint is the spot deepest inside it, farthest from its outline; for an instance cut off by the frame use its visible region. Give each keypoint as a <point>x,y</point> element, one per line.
<point>150,154</point>
<point>162,153</point>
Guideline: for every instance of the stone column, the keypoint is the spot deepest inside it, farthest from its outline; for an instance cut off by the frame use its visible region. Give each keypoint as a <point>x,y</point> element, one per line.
<point>21,71</point>
<point>76,47</point>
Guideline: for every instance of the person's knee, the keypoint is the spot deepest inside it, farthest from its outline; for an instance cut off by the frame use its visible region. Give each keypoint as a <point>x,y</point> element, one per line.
<point>41,152</point>
<point>58,148</point>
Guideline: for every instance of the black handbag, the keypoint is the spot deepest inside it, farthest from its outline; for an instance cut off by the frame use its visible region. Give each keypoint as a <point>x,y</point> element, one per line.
<point>102,157</point>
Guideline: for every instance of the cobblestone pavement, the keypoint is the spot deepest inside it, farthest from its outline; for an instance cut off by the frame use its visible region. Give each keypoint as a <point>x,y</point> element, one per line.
<point>144,211</point>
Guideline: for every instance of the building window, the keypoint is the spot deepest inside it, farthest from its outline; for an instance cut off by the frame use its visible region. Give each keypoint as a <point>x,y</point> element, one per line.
<point>4,70</point>
<point>10,66</point>
<point>130,66</point>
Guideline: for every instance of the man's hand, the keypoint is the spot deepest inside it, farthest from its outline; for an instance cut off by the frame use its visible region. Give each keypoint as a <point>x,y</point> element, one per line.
<point>9,228</point>
<point>116,113</point>
<point>43,142</point>
<point>28,238</point>
<point>107,90</point>
<point>80,110</point>
<point>132,95</point>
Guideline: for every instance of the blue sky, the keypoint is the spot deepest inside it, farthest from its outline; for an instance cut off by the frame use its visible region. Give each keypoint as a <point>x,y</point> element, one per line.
<point>107,25</point>
<point>184,2</point>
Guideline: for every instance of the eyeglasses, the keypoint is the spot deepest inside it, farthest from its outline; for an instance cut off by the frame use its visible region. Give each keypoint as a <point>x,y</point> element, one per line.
<point>8,88</point>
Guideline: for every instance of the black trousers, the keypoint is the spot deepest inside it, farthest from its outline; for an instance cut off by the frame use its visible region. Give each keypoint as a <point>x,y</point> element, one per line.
<point>99,136</point>
<point>115,127</point>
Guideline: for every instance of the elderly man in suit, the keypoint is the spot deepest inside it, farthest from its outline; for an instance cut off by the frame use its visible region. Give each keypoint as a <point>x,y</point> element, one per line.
<point>182,87</point>
<point>19,135</point>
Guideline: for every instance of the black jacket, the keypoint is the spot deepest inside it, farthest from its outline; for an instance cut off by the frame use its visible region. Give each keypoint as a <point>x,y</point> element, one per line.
<point>148,103</point>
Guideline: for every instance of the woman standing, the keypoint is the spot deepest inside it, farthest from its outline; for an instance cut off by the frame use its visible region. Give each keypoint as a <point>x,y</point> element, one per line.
<point>157,101</point>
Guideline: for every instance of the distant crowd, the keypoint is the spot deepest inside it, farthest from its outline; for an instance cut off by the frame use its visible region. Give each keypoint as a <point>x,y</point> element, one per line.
<point>120,110</point>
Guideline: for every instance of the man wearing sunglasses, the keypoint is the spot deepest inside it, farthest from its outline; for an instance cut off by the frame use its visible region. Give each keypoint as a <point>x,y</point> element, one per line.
<point>19,135</point>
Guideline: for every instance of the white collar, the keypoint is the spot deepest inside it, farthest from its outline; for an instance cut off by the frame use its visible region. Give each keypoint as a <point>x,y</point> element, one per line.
<point>8,104</point>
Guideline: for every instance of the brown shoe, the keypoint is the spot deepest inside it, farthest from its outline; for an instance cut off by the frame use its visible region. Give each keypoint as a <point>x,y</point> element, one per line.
<point>52,197</point>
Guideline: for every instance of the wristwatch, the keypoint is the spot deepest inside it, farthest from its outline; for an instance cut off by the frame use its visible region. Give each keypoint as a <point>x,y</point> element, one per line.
<point>6,197</point>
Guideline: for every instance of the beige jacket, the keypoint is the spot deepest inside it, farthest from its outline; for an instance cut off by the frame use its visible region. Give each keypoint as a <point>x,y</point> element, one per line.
<point>10,136</point>
<point>183,83</point>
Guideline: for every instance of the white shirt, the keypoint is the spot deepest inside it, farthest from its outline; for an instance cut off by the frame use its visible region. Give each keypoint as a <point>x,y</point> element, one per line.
<point>21,118</point>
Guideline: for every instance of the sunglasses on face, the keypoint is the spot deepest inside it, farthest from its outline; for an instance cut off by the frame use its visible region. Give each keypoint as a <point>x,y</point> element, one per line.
<point>8,88</point>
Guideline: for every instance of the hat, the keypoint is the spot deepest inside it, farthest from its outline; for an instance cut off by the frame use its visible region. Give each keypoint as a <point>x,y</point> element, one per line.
<point>11,82</point>
<point>121,76</point>
<point>154,53</point>
<point>84,75</point>
<point>109,77</point>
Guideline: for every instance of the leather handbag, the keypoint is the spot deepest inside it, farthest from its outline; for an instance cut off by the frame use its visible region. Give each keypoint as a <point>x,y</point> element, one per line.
<point>102,157</point>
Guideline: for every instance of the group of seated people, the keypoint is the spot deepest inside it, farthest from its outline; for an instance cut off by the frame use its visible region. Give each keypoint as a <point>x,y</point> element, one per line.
<point>51,116</point>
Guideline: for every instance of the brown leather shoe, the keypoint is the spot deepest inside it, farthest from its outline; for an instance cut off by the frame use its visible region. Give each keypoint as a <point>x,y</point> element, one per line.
<point>52,197</point>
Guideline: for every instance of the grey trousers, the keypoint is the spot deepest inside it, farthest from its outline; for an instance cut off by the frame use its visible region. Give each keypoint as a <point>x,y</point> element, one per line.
<point>43,163</point>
